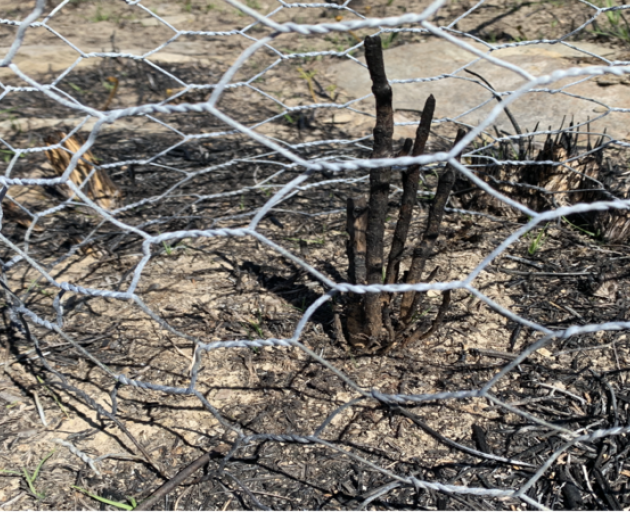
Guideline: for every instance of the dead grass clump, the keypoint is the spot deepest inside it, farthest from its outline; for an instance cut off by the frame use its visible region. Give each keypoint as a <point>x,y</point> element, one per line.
<point>95,182</point>
<point>559,174</point>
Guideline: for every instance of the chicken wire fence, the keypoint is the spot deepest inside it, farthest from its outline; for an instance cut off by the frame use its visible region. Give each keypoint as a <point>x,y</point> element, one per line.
<point>186,203</point>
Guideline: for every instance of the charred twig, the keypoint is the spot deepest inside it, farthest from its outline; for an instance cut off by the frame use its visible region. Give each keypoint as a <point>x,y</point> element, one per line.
<point>174,482</point>
<point>405,149</point>
<point>356,226</point>
<point>480,438</point>
<point>112,93</point>
<point>379,181</point>
<point>410,192</point>
<point>452,444</point>
<point>517,128</point>
<point>418,335</point>
<point>423,250</point>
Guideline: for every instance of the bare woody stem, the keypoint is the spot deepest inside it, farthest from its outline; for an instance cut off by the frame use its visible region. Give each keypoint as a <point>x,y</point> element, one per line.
<point>410,190</point>
<point>356,226</point>
<point>379,181</point>
<point>422,252</point>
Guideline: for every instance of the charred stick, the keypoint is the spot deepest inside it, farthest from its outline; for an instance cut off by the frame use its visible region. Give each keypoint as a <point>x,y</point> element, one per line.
<point>410,191</point>
<point>422,252</point>
<point>384,129</point>
<point>452,444</point>
<point>387,321</point>
<point>517,128</point>
<point>404,151</point>
<point>174,482</point>
<point>404,334</point>
<point>480,438</point>
<point>418,335</point>
<point>356,226</point>
<point>379,180</point>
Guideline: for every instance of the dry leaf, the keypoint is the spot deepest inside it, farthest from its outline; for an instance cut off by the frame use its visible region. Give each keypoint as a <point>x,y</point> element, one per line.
<point>608,291</point>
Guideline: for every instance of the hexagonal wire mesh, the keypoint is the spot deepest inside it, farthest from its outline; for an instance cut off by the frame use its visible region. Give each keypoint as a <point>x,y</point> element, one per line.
<point>212,232</point>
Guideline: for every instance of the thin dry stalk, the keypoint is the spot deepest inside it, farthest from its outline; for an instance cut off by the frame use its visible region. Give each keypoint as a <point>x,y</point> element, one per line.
<point>112,93</point>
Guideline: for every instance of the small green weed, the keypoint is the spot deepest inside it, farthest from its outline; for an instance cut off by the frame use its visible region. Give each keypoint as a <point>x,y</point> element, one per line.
<point>616,25</point>
<point>418,316</point>
<point>302,307</point>
<point>170,249</point>
<point>537,243</point>
<point>37,287</point>
<point>100,15</point>
<point>257,329</point>
<point>387,42</point>
<point>589,233</point>
<point>7,155</point>
<point>167,248</point>
<point>123,506</point>
<point>76,88</point>
<point>30,479</point>
<point>108,85</point>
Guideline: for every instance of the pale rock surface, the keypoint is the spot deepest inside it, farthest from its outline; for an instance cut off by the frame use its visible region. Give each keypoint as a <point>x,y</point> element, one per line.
<point>36,59</point>
<point>460,95</point>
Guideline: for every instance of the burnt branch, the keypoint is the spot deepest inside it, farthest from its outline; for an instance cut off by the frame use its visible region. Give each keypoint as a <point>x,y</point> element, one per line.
<point>410,180</point>
<point>384,129</point>
<point>379,181</point>
<point>422,252</point>
<point>356,226</point>
<point>521,143</point>
<point>418,335</point>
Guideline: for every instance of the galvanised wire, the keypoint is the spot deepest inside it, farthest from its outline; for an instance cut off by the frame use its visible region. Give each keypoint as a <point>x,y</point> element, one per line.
<point>299,173</point>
